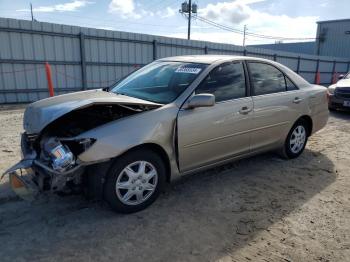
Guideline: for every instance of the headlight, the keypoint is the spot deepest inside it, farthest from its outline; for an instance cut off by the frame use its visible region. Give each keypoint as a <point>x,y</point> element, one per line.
<point>60,155</point>
<point>63,152</point>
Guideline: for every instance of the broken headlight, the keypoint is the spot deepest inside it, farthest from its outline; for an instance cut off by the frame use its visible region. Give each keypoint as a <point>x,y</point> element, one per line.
<point>62,153</point>
<point>60,156</point>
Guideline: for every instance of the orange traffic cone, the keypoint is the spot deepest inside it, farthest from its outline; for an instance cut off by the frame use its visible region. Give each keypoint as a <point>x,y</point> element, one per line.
<point>335,78</point>
<point>318,78</point>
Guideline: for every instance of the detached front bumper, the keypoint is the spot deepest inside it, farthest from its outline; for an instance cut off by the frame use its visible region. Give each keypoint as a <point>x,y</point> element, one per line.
<point>31,176</point>
<point>21,179</point>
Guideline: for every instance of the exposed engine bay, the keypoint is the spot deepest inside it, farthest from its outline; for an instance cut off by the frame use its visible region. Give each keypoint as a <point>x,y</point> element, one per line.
<point>78,121</point>
<point>53,153</point>
<point>57,145</point>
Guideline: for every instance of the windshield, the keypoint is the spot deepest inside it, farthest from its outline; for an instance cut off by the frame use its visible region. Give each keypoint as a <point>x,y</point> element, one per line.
<point>347,76</point>
<point>159,82</point>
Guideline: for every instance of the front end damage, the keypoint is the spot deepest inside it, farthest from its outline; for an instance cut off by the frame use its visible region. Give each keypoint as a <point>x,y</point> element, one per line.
<point>51,157</point>
<point>53,168</point>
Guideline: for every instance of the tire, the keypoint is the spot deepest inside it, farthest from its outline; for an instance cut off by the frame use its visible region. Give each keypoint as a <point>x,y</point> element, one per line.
<point>293,150</point>
<point>127,189</point>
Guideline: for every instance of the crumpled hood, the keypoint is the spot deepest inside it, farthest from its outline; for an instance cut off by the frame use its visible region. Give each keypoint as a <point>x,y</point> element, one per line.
<point>39,114</point>
<point>343,83</point>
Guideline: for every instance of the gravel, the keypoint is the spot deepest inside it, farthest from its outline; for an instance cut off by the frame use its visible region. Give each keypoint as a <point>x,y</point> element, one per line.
<point>262,208</point>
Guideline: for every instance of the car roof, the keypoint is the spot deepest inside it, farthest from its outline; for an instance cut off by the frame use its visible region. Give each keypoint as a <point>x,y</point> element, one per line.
<point>209,59</point>
<point>217,59</point>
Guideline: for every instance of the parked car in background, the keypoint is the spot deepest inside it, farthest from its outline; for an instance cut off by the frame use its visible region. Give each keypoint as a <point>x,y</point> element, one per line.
<point>339,93</point>
<point>172,117</point>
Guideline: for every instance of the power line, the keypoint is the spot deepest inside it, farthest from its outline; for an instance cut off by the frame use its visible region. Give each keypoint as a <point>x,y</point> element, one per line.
<point>218,25</point>
<point>280,37</point>
<point>237,31</point>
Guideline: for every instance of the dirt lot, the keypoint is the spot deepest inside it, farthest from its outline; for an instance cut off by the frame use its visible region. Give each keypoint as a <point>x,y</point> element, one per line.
<point>259,209</point>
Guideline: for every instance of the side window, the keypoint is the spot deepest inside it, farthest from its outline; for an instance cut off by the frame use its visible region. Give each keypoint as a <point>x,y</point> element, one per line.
<point>266,79</point>
<point>226,82</point>
<point>290,85</point>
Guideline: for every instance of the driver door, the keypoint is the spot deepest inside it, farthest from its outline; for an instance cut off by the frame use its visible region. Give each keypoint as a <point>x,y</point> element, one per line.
<point>210,134</point>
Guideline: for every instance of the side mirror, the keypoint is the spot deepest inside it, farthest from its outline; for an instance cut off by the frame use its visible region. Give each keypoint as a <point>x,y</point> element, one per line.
<point>201,100</point>
<point>340,77</point>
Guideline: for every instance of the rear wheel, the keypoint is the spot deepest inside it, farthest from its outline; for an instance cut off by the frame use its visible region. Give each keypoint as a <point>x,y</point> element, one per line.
<point>296,140</point>
<point>134,181</point>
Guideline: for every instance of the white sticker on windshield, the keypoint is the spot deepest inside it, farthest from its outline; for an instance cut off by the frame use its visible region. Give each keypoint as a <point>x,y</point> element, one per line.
<point>189,70</point>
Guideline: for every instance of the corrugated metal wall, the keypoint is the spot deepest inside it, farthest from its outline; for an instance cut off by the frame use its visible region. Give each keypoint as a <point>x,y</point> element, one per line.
<point>333,38</point>
<point>87,58</point>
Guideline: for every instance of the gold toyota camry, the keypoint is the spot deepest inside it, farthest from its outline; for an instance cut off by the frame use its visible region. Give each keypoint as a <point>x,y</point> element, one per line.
<point>174,116</point>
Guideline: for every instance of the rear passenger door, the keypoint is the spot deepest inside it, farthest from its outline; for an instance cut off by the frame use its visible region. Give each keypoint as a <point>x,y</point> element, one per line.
<point>277,104</point>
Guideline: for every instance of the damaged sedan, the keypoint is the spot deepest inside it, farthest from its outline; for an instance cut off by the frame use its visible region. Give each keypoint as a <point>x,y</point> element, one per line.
<point>174,116</point>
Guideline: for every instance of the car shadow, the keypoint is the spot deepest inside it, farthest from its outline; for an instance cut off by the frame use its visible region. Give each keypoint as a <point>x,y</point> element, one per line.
<point>344,115</point>
<point>202,217</point>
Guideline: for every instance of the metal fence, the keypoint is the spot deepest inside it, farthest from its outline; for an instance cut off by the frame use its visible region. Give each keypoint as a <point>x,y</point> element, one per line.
<point>87,58</point>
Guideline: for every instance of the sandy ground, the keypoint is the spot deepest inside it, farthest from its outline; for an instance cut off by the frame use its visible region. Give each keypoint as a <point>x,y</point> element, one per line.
<point>258,209</point>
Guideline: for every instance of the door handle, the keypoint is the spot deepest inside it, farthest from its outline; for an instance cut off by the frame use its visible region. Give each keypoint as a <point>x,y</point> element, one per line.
<point>245,110</point>
<point>297,100</point>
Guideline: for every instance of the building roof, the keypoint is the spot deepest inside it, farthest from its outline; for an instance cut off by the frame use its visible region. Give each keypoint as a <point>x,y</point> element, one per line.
<point>334,21</point>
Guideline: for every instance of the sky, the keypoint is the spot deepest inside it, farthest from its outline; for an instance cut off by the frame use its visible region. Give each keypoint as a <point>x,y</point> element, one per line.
<point>277,18</point>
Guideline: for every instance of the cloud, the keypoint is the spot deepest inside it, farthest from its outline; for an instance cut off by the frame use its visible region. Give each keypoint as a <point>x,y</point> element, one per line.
<point>239,12</point>
<point>324,4</point>
<point>127,9</point>
<point>234,12</point>
<point>66,7</point>
<point>169,12</point>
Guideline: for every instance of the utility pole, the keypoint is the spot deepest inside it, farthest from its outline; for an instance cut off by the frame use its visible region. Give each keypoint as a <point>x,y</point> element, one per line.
<point>244,34</point>
<point>188,8</point>
<point>189,20</point>
<point>31,12</point>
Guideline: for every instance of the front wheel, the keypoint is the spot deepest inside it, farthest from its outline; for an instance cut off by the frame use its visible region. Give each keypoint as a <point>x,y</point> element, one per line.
<point>296,140</point>
<point>134,181</point>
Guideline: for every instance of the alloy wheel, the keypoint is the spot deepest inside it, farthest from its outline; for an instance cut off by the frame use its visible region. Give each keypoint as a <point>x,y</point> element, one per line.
<point>136,183</point>
<point>297,139</point>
